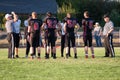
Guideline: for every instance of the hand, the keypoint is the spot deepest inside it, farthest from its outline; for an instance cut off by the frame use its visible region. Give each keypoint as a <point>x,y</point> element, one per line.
<point>107,35</point>
<point>28,38</point>
<point>13,13</point>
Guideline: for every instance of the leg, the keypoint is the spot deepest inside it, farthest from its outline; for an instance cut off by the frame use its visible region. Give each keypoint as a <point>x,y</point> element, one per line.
<point>73,45</point>
<point>53,46</point>
<point>31,52</point>
<point>100,43</point>
<point>54,52</point>
<point>48,52</point>
<point>51,51</point>
<point>34,51</point>
<point>86,46</point>
<point>106,47</point>
<point>45,46</point>
<point>27,48</point>
<point>48,47</point>
<point>75,52</point>
<point>38,49</point>
<point>90,45</point>
<point>17,40</point>
<point>16,52</point>
<point>86,51</point>
<point>66,52</point>
<point>92,51</point>
<point>62,44</point>
<point>69,51</point>
<point>111,48</point>
<point>10,50</point>
<point>13,46</point>
<point>96,39</point>
<point>67,41</point>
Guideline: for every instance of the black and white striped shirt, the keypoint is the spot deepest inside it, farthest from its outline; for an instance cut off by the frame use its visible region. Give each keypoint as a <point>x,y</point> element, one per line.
<point>108,26</point>
<point>9,26</point>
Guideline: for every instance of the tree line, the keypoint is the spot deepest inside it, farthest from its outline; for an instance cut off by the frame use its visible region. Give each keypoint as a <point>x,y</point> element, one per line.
<point>97,8</point>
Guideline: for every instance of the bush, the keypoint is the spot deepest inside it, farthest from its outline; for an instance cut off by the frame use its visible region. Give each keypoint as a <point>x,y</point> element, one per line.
<point>115,17</point>
<point>97,8</point>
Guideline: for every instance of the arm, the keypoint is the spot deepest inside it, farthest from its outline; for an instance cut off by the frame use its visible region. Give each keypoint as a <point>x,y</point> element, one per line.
<point>59,26</point>
<point>43,26</point>
<point>14,16</point>
<point>100,32</point>
<point>65,28</point>
<point>111,28</point>
<point>83,23</point>
<point>59,29</point>
<point>110,31</point>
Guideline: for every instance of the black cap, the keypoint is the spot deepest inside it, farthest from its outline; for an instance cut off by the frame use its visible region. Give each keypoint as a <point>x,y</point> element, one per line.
<point>106,15</point>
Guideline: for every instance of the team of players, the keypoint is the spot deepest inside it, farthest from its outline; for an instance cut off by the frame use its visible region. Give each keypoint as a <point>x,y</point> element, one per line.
<point>51,27</point>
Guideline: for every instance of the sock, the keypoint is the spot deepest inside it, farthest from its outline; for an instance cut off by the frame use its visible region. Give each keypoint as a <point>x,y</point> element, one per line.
<point>54,55</point>
<point>45,54</point>
<point>31,54</point>
<point>75,55</point>
<point>38,54</point>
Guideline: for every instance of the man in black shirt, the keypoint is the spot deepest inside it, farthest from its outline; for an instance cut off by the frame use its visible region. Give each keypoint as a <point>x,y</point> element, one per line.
<point>87,24</point>
<point>69,27</point>
<point>34,30</point>
<point>51,24</point>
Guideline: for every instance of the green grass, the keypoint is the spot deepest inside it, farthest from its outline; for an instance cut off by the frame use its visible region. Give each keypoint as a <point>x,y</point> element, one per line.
<point>99,68</point>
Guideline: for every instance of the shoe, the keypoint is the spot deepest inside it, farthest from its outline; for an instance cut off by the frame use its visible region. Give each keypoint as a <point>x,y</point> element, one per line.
<point>34,56</point>
<point>62,55</point>
<point>69,55</point>
<point>106,56</point>
<point>112,56</point>
<point>17,56</point>
<point>54,56</point>
<point>26,56</point>
<point>75,56</point>
<point>47,56</point>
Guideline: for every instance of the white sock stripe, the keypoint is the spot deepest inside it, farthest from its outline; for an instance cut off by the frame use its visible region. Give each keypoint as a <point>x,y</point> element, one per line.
<point>111,46</point>
<point>12,40</point>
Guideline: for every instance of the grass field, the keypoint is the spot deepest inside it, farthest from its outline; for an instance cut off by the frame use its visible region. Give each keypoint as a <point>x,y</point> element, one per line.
<point>99,68</point>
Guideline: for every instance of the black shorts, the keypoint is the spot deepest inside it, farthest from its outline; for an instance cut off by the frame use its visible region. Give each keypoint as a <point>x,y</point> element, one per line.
<point>70,39</point>
<point>16,39</point>
<point>51,39</point>
<point>34,40</point>
<point>87,40</point>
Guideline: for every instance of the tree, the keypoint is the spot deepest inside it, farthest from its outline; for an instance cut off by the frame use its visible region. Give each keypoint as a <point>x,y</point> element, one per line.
<point>97,8</point>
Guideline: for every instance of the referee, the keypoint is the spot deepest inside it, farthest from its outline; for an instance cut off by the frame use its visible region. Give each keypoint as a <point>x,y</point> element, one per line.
<point>10,34</point>
<point>108,36</point>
